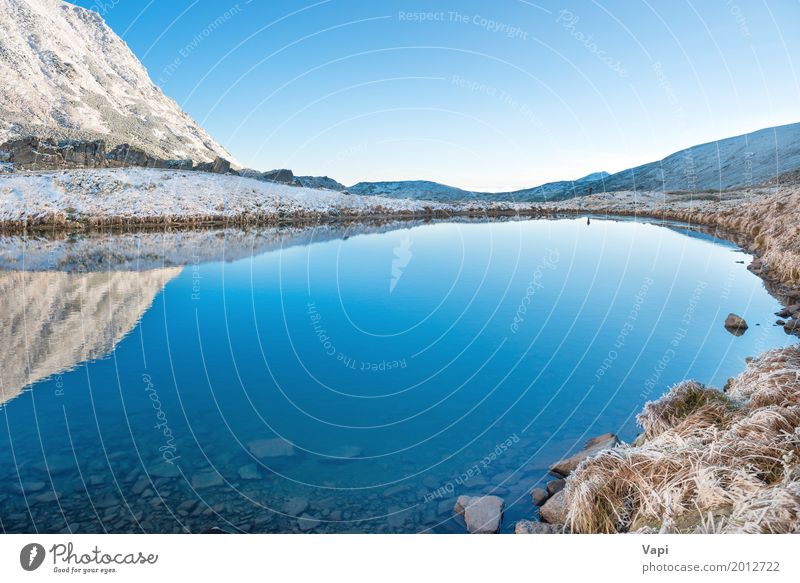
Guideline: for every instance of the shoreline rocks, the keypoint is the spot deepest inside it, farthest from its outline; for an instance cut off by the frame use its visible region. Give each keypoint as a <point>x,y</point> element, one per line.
<point>539,496</point>
<point>555,486</point>
<point>554,510</point>
<point>566,466</point>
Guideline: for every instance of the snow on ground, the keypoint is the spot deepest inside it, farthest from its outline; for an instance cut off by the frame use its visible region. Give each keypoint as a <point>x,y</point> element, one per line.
<point>152,195</point>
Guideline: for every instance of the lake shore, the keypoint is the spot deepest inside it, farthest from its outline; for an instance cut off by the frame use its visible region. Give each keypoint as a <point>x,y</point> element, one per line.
<point>78,200</point>
<point>667,480</point>
<point>708,461</point>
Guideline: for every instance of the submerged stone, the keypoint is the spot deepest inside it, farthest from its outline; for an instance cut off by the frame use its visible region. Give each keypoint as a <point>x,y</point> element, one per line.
<point>483,514</point>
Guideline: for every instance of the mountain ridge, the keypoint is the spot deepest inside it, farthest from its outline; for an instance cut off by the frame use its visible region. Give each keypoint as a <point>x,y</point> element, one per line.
<point>65,75</point>
<point>738,161</point>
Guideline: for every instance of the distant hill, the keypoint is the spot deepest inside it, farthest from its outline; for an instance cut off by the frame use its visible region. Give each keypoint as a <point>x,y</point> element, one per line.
<point>423,189</point>
<point>325,182</point>
<point>740,161</point>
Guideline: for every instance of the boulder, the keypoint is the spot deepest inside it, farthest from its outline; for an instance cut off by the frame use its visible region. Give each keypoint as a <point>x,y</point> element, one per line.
<point>594,446</point>
<point>282,175</point>
<point>735,324</point>
<point>220,166</point>
<point>531,527</point>
<point>483,514</point>
<point>792,326</point>
<point>554,486</point>
<point>554,510</point>
<point>539,496</point>
<point>268,448</point>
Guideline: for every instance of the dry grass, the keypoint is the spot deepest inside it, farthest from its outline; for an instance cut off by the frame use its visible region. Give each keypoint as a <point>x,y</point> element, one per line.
<point>709,462</point>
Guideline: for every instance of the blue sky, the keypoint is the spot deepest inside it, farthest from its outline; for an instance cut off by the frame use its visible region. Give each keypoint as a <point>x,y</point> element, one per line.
<point>490,95</point>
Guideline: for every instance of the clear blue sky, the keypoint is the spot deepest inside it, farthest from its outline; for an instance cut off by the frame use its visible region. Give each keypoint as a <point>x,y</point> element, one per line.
<point>490,95</point>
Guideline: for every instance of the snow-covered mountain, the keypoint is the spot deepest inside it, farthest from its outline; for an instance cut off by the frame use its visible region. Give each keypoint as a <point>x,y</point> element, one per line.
<point>421,189</point>
<point>325,182</point>
<point>65,74</point>
<point>427,190</point>
<point>740,161</point>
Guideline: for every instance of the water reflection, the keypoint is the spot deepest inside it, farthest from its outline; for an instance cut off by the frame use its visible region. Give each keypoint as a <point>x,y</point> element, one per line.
<point>52,321</point>
<point>353,385</point>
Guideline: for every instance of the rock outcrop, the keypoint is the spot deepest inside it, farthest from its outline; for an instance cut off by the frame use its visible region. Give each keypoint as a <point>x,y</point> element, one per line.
<point>282,176</point>
<point>32,153</point>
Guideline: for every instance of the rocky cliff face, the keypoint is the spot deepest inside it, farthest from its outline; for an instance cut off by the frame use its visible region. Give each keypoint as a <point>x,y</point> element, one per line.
<point>52,321</point>
<point>64,74</point>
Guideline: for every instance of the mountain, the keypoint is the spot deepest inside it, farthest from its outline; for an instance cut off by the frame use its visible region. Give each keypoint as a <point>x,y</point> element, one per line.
<point>65,74</point>
<point>740,161</point>
<point>325,182</point>
<point>560,189</point>
<point>426,190</point>
<point>419,189</point>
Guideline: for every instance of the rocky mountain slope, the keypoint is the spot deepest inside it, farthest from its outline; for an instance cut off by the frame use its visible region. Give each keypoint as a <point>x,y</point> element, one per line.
<point>65,74</point>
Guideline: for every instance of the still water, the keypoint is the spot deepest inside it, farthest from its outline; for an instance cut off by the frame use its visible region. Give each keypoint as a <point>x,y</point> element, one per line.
<point>355,379</point>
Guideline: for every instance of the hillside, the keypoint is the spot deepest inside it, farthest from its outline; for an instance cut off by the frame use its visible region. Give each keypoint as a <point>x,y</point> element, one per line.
<point>65,74</point>
<point>740,161</point>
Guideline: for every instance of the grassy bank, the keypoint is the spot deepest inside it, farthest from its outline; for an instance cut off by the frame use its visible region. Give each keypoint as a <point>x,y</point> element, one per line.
<point>708,460</point>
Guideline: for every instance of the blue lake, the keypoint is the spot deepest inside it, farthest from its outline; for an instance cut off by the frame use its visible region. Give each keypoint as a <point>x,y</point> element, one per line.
<point>360,381</point>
